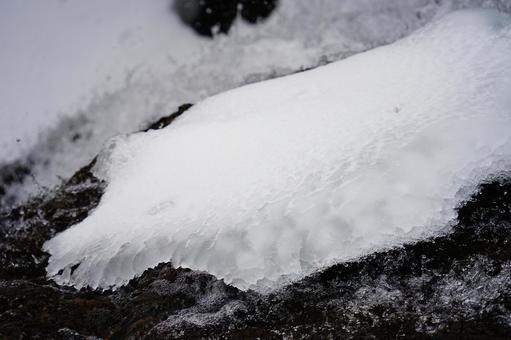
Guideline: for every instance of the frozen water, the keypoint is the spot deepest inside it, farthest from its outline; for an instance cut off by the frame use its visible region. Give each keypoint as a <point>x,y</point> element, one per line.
<point>58,106</point>
<point>274,180</point>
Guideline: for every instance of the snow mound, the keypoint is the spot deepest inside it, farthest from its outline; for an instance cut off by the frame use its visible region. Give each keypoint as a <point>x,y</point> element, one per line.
<point>271,181</point>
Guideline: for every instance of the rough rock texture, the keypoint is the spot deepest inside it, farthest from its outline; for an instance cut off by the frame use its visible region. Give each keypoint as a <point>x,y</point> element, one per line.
<point>453,286</point>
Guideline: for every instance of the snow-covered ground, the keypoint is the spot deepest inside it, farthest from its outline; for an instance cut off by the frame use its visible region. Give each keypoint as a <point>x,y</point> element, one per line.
<point>277,179</point>
<point>75,73</point>
<point>57,54</point>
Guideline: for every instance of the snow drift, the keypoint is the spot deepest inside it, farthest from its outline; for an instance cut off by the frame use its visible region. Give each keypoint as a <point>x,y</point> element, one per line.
<point>271,181</point>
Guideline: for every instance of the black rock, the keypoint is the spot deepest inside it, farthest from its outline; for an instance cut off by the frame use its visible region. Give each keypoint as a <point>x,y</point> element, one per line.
<point>208,17</point>
<point>453,286</point>
<point>257,10</point>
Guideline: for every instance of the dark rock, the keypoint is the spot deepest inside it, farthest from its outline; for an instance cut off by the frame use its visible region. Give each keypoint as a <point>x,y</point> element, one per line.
<point>453,286</point>
<point>165,121</point>
<point>254,11</point>
<point>208,17</point>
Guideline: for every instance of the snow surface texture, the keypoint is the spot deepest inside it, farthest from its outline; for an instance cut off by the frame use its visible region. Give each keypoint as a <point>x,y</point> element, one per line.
<point>142,63</point>
<point>271,181</point>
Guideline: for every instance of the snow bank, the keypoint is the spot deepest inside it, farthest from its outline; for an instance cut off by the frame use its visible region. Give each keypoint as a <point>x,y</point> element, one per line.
<point>142,63</point>
<point>274,180</point>
<point>57,54</point>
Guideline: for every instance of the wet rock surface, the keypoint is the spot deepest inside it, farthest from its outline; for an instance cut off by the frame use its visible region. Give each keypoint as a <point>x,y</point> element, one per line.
<point>453,286</point>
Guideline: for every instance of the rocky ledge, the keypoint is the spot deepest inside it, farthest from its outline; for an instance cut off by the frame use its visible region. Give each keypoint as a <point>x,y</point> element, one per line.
<point>453,286</point>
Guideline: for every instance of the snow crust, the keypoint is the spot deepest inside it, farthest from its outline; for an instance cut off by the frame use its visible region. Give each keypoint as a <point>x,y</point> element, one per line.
<point>59,108</point>
<point>271,181</point>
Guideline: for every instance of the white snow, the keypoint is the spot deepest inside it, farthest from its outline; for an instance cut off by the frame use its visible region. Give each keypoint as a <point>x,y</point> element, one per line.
<point>99,68</point>
<point>271,181</point>
<point>57,54</point>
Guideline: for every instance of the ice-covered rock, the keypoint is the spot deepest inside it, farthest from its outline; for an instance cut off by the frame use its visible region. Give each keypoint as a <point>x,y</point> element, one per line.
<point>277,179</point>
<point>146,64</point>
